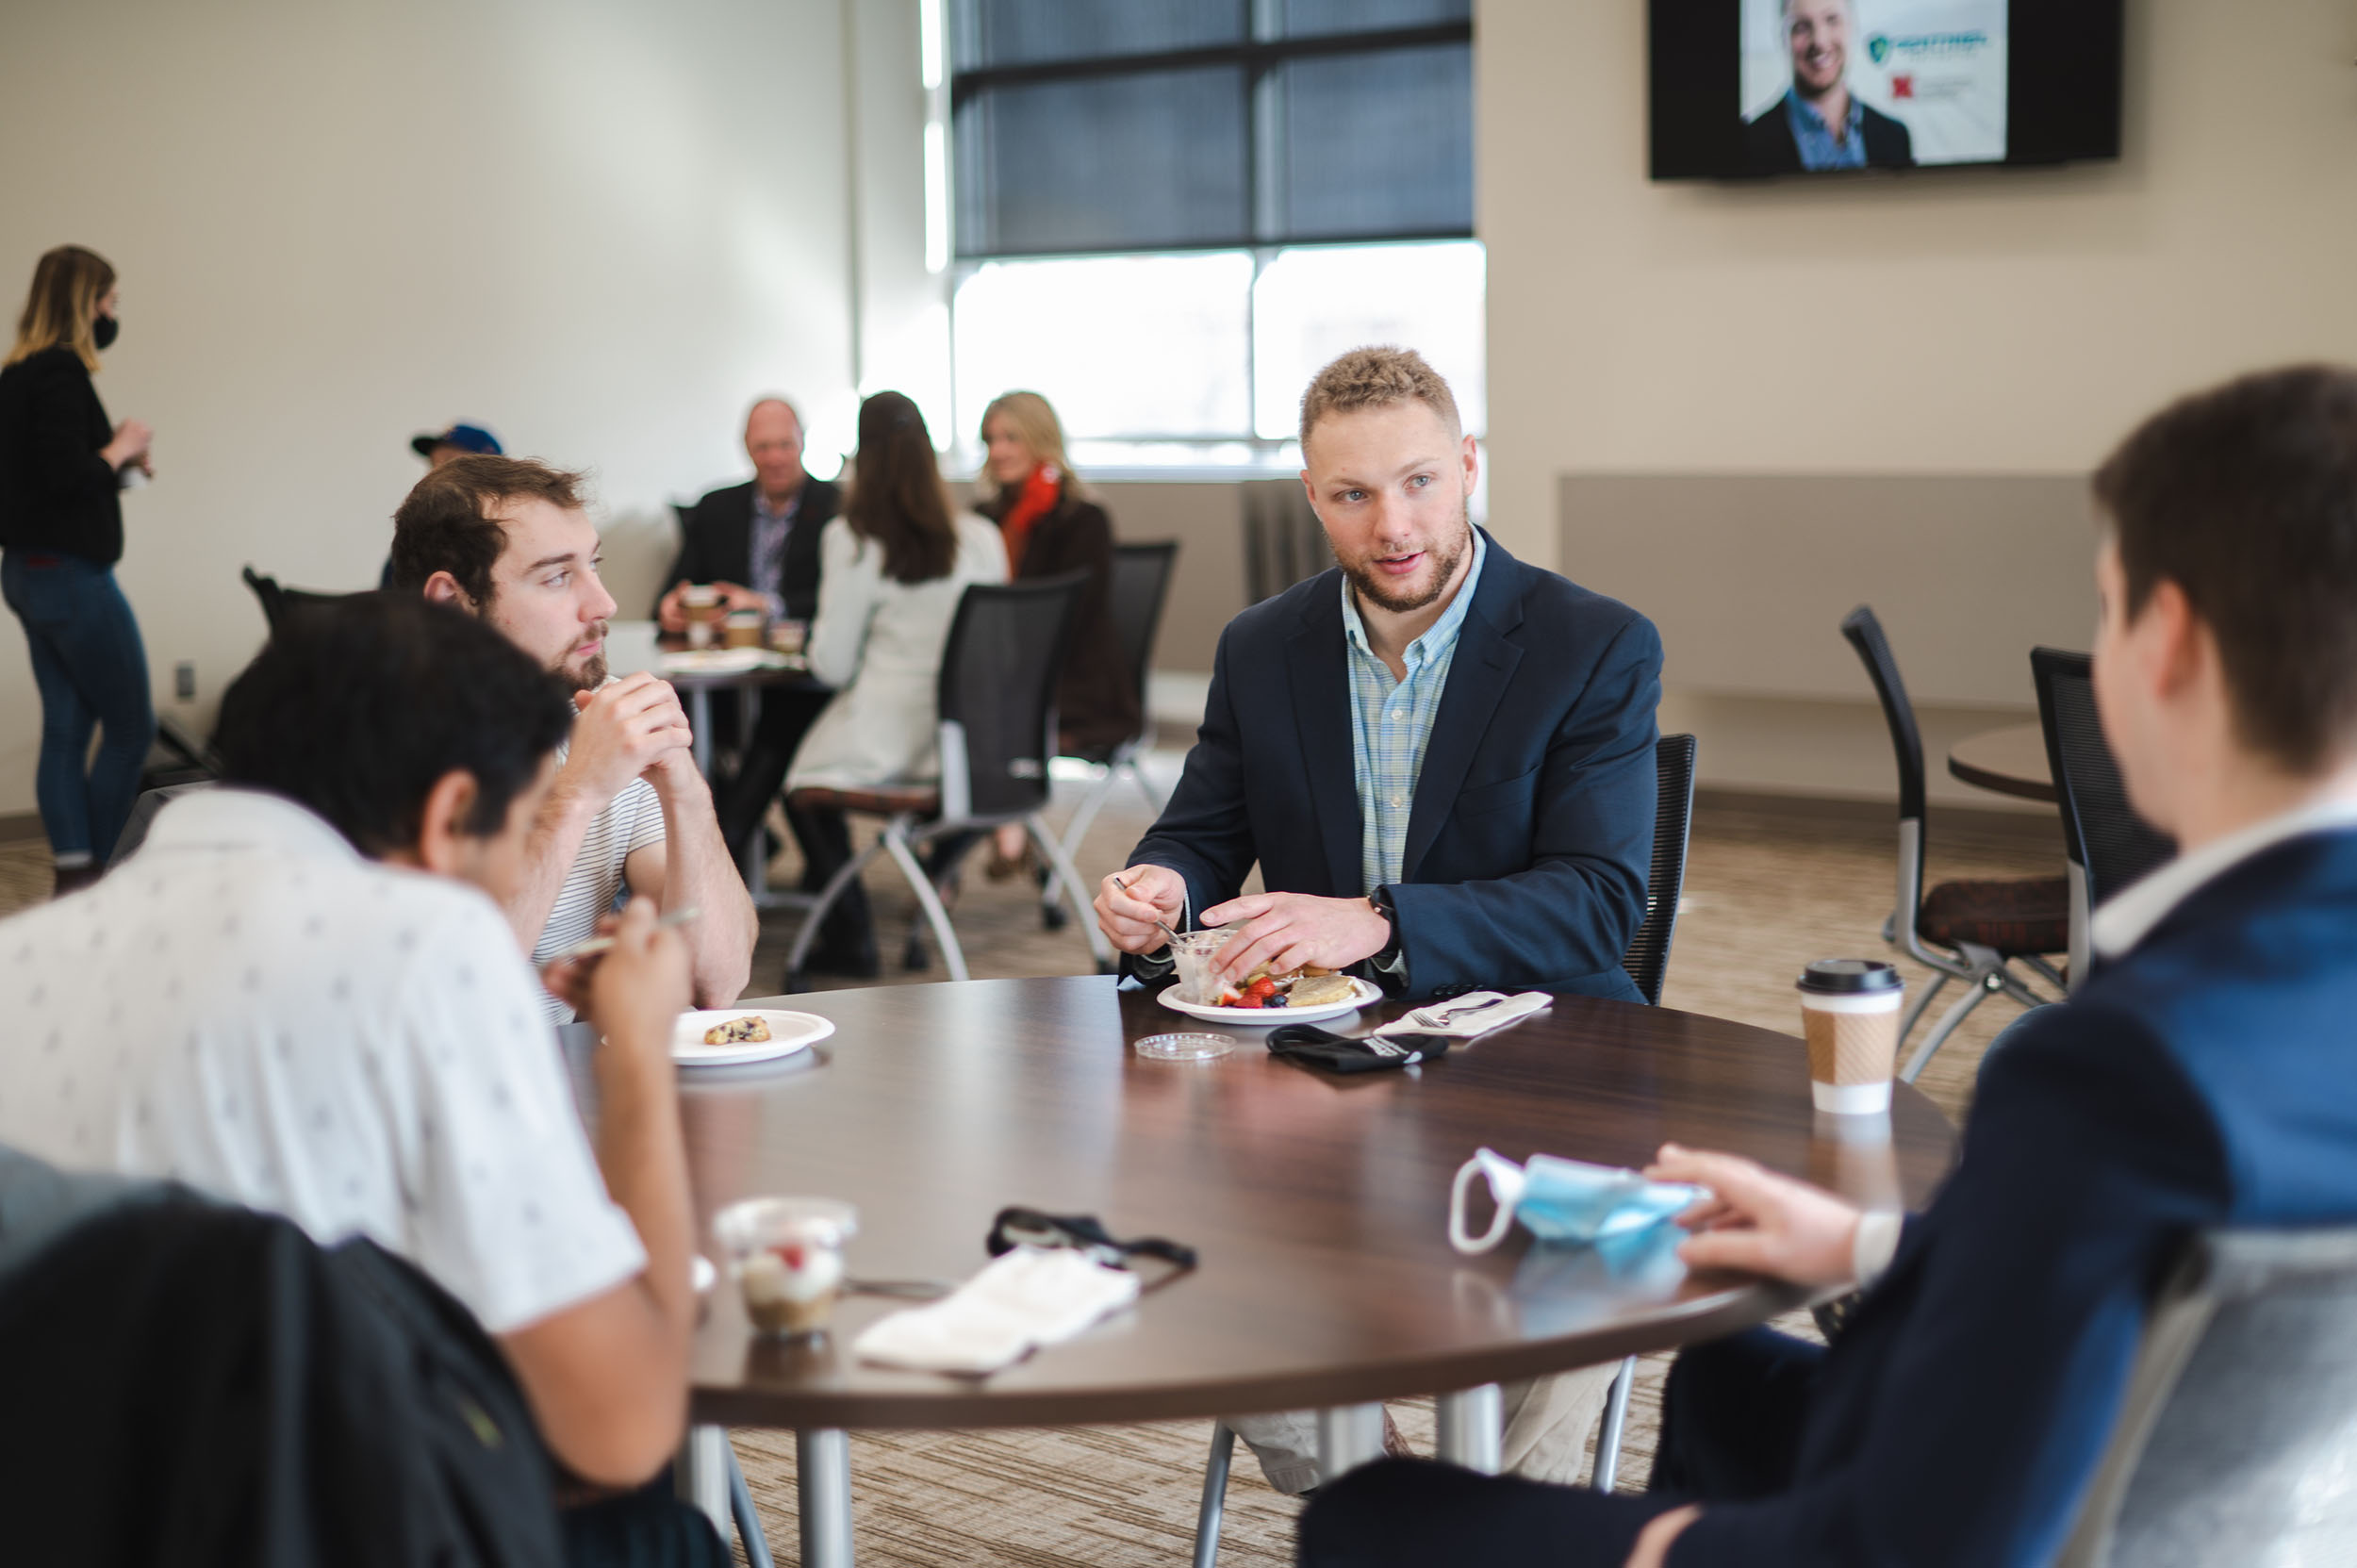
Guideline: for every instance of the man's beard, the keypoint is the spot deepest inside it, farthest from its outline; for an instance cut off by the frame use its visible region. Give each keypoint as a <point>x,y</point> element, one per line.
<point>1376,591</point>
<point>588,677</point>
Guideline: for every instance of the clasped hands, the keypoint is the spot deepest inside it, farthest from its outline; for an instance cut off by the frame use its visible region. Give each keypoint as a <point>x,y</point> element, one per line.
<point>633,728</point>
<point>1283,931</point>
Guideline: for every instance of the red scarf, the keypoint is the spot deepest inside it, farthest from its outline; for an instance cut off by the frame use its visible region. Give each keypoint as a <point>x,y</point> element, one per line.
<point>1041,493</point>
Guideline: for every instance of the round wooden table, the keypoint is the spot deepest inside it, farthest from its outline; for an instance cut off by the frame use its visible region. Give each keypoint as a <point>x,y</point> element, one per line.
<point>1318,1205</point>
<point>2011,761</point>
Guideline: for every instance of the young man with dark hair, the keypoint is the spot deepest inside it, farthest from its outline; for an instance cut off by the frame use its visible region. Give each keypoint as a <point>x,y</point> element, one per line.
<point>301,995</point>
<point>507,540</point>
<point>1442,761</point>
<point>2199,1077</point>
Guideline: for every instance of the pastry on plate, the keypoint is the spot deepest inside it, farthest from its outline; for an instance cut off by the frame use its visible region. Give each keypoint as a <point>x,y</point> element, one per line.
<point>749,1030</point>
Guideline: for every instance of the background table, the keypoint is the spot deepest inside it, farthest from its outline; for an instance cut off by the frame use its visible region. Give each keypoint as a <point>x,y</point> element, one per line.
<point>2011,761</point>
<point>1318,1205</point>
<point>697,686</point>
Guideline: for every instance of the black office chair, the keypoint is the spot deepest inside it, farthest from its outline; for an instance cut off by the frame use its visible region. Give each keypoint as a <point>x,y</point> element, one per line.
<point>1970,930</point>
<point>1648,964</point>
<point>1283,541</point>
<point>1141,586</point>
<point>279,601</point>
<point>2235,1443</point>
<point>998,705</point>
<point>2107,843</point>
<point>142,817</point>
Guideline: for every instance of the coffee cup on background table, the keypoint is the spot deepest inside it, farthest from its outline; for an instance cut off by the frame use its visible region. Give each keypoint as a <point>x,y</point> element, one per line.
<point>742,629</point>
<point>1850,1013</point>
<point>702,606</point>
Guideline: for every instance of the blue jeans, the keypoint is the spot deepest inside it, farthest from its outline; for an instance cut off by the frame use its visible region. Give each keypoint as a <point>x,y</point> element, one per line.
<point>92,669</point>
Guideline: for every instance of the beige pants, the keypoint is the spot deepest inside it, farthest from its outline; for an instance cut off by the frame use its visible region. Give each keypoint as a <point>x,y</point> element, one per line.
<point>1547,1421</point>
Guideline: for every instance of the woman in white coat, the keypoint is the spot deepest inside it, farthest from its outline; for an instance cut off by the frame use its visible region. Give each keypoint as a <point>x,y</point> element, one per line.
<point>892,569</point>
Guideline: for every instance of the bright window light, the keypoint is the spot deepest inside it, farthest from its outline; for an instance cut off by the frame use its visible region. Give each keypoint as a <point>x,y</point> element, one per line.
<point>929,41</point>
<point>1127,348</point>
<point>1311,305</point>
<point>936,197</point>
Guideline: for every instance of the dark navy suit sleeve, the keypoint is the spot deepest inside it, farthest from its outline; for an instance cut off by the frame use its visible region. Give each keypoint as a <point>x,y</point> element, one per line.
<point>1205,834</point>
<point>2088,1160</point>
<point>1590,813</point>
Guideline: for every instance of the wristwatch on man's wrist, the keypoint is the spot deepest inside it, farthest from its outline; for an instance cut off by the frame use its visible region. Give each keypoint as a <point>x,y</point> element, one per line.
<point>1388,961</point>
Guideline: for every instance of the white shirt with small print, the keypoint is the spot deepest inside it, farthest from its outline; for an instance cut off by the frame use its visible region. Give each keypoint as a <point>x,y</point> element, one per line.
<point>627,823</point>
<point>251,1007</point>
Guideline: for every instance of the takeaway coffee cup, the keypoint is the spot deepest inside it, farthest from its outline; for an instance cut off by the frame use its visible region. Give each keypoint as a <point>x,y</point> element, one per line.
<point>1850,1012</point>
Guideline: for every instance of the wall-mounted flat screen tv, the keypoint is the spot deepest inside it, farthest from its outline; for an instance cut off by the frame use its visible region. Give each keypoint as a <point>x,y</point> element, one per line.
<point>1763,89</point>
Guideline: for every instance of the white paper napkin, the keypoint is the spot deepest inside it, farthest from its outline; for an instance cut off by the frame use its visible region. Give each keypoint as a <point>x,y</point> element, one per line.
<point>1477,1013</point>
<point>1030,1297</point>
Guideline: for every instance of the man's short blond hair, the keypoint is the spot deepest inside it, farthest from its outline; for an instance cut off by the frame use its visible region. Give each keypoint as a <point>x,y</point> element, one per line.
<point>1377,377</point>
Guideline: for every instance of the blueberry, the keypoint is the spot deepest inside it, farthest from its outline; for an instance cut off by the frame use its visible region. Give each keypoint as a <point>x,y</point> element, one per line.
<point>1276,1001</point>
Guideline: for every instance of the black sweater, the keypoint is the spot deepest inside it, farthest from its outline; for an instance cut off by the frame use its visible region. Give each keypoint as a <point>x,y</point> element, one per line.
<point>55,492</point>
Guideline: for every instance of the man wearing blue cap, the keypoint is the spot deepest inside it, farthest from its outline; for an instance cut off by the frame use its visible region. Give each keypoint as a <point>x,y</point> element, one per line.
<point>459,440</point>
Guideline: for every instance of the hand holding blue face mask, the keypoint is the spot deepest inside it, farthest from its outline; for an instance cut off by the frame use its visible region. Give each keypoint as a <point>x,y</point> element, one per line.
<point>1566,1200</point>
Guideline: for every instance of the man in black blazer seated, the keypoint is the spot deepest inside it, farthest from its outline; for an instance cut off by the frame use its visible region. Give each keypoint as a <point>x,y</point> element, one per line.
<point>1441,759</point>
<point>1820,123</point>
<point>757,543</point>
<point>2199,1077</point>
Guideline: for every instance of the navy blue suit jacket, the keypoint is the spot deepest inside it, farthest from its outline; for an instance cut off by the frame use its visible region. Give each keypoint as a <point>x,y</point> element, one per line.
<point>2208,1076</point>
<point>1530,836</point>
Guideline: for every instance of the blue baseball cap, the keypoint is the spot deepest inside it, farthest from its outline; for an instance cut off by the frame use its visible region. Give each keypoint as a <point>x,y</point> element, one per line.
<point>465,437</point>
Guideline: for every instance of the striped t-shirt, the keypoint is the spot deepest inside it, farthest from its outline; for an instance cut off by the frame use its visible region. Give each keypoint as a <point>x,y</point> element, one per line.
<point>630,820</point>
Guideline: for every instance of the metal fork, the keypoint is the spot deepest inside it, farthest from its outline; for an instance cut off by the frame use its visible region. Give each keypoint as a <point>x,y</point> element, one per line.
<point>1433,1017</point>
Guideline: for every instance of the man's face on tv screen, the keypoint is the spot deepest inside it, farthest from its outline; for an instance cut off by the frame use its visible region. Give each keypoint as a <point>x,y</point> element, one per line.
<point>1818,34</point>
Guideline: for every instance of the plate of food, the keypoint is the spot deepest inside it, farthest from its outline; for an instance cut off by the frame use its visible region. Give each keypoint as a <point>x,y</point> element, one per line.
<point>725,1036</point>
<point>1302,997</point>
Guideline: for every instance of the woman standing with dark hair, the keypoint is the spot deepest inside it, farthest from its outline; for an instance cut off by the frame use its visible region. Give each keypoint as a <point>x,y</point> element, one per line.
<point>891,570</point>
<point>62,466</point>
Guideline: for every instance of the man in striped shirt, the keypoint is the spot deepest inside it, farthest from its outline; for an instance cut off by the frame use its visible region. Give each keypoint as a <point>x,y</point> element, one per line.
<point>508,541</point>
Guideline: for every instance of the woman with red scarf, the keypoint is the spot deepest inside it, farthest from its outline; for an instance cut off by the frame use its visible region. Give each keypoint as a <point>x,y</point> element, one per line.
<point>1052,528</point>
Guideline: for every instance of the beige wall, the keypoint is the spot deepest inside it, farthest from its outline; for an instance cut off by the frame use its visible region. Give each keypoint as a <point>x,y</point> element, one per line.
<point>598,226</point>
<point>1965,324</point>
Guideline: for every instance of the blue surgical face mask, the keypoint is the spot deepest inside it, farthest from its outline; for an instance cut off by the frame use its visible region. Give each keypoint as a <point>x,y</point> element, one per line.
<point>1565,1201</point>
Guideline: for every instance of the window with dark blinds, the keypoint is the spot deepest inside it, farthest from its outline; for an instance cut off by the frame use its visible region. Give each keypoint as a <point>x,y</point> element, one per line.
<point>1094,126</point>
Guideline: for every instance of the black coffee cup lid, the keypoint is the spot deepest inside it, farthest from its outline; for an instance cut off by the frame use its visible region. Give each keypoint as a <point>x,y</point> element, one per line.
<point>1849,977</point>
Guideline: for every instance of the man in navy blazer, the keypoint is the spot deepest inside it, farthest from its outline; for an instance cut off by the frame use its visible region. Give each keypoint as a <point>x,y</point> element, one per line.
<point>2201,1077</point>
<point>1505,841</point>
<point>1442,761</point>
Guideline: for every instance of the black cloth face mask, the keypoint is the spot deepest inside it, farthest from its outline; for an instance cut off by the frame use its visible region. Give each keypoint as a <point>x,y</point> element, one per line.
<point>104,330</point>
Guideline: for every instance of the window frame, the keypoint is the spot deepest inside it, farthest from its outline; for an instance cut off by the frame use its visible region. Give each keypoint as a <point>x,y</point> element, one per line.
<point>1260,58</point>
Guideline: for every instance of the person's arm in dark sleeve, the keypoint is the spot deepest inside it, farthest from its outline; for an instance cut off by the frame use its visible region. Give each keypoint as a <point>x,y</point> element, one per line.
<point>66,469</point>
<point>1573,913</point>
<point>1205,834</point>
<point>2088,1161</point>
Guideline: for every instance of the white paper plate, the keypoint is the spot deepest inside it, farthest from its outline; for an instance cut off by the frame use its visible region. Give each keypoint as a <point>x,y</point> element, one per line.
<point>788,1033</point>
<point>1269,1017</point>
<point>721,661</point>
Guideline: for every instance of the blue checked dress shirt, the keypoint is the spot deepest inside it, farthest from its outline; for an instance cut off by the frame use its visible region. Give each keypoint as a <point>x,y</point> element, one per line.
<point>1390,721</point>
<point>1820,146</point>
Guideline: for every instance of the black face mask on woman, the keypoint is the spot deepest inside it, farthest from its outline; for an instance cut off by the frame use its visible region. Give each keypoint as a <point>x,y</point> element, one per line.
<point>103,330</point>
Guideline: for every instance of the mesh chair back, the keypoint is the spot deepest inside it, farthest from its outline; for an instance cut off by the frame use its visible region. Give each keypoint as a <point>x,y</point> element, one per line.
<point>1866,635</point>
<point>142,817</point>
<point>1648,957</point>
<point>1141,585</point>
<point>2101,832</point>
<point>266,589</point>
<point>2236,1440</point>
<point>279,601</point>
<point>999,674</point>
<point>1283,541</point>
